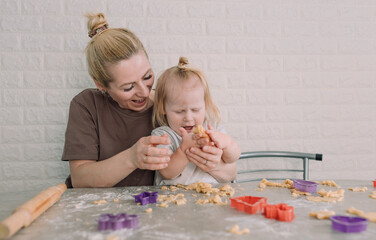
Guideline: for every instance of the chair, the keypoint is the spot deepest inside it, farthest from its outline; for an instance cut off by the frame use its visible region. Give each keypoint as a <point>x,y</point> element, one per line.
<point>305,157</point>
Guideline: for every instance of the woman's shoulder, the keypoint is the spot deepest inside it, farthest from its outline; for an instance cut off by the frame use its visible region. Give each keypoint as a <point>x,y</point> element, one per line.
<point>87,94</point>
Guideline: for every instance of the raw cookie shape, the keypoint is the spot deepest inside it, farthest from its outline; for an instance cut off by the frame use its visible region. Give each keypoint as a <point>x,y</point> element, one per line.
<point>146,198</point>
<point>280,212</point>
<point>249,204</point>
<point>116,222</point>
<point>348,224</point>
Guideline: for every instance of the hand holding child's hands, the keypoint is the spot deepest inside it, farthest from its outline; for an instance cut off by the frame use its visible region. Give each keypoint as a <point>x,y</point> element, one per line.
<point>220,140</point>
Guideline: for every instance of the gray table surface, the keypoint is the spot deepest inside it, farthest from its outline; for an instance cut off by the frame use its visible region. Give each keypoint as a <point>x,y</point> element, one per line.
<point>75,216</point>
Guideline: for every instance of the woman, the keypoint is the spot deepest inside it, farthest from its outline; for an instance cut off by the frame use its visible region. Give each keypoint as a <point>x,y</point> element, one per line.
<point>107,140</point>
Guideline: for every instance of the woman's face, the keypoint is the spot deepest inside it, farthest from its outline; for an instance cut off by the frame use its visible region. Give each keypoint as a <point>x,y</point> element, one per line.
<point>132,82</point>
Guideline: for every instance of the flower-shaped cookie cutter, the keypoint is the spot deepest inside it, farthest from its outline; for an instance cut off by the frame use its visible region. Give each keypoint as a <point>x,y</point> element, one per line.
<point>249,204</point>
<point>146,198</point>
<point>348,224</point>
<point>305,186</point>
<point>116,222</point>
<point>280,212</point>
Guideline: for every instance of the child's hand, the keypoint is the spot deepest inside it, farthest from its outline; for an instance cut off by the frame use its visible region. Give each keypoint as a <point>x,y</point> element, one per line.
<point>219,139</point>
<point>188,140</point>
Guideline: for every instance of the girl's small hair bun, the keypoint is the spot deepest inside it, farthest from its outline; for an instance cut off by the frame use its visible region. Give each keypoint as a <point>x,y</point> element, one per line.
<point>183,62</point>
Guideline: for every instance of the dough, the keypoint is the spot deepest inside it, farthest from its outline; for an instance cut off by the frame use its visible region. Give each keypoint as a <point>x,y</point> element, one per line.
<point>370,215</point>
<point>100,202</point>
<point>287,184</point>
<point>373,195</point>
<point>236,230</point>
<point>322,214</point>
<point>296,193</point>
<point>330,183</point>
<point>358,189</point>
<point>149,210</point>
<point>200,130</point>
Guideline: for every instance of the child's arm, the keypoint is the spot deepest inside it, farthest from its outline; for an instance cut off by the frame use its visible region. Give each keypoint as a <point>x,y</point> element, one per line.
<point>178,160</point>
<point>230,148</point>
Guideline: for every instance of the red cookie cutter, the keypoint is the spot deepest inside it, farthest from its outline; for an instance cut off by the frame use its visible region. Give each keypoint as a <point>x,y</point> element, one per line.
<point>280,212</point>
<point>249,204</point>
<point>374,183</point>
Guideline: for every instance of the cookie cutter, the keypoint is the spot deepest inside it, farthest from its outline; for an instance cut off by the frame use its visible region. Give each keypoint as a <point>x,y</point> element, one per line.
<point>305,186</point>
<point>280,212</point>
<point>146,198</point>
<point>249,204</point>
<point>116,222</point>
<point>348,224</point>
<point>374,183</point>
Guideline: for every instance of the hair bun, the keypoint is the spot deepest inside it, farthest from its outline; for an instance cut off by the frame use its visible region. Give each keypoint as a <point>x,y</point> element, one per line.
<point>96,22</point>
<point>183,62</point>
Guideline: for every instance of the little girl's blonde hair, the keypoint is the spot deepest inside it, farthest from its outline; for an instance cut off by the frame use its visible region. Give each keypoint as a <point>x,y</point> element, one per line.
<point>182,72</point>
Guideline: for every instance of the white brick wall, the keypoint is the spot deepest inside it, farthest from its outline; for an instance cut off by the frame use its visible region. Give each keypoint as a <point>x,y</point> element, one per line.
<point>287,74</point>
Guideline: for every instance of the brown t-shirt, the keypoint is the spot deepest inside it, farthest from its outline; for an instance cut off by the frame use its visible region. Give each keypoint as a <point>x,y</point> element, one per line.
<point>99,129</point>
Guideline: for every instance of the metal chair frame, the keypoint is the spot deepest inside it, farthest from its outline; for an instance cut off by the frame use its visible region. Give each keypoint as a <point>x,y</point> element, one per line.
<point>281,154</point>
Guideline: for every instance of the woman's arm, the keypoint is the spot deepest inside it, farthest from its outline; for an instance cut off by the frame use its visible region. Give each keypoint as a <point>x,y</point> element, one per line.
<point>143,154</point>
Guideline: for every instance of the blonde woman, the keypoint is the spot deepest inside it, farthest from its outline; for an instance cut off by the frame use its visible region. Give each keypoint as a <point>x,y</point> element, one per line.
<point>107,140</point>
<point>182,103</point>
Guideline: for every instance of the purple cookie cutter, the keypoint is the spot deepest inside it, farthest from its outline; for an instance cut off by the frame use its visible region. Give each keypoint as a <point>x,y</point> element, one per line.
<point>116,222</point>
<point>146,198</point>
<point>305,186</point>
<point>349,224</point>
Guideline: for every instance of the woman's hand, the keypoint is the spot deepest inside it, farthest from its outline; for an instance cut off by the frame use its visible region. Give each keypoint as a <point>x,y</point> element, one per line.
<point>148,155</point>
<point>207,158</point>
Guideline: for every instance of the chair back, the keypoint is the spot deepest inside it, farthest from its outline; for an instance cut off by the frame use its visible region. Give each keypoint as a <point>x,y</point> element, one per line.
<point>305,157</point>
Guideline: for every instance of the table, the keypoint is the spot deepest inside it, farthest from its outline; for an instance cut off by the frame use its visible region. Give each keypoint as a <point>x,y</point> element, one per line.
<point>75,216</point>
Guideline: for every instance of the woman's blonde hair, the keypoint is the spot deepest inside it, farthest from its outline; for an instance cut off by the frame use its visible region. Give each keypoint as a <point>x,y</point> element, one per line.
<point>182,72</point>
<point>108,46</point>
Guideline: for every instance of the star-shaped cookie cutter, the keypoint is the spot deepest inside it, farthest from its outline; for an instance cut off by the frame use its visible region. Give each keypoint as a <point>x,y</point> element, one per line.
<point>280,212</point>
<point>146,198</point>
<point>249,204</point>
<point>116,222</point>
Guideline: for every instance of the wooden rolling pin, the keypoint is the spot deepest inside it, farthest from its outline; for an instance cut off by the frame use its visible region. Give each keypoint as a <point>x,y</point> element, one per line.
<point>25,214</point>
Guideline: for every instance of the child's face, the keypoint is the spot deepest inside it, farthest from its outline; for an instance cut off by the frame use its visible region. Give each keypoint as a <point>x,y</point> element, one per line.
<point>185,106</point>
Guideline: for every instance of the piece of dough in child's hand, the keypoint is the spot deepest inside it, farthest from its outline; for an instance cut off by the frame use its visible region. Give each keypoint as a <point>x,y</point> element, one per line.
<point>200,130</point>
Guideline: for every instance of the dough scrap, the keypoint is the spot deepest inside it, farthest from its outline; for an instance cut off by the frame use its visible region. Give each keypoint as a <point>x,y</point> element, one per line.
<point>102,201</point>
<point>200,130</point>
<point>358,189</point>
<point>296,193</point>
<point>370,215</point>
<point>236,230</point>
<point>327,196</point>
<point>373,195</point>
<point>322,214</point>
<point>287,184</point>
<point>149,210</point>
<point>330,183</point>
<point>116,200</point>
<point>112,237</point>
